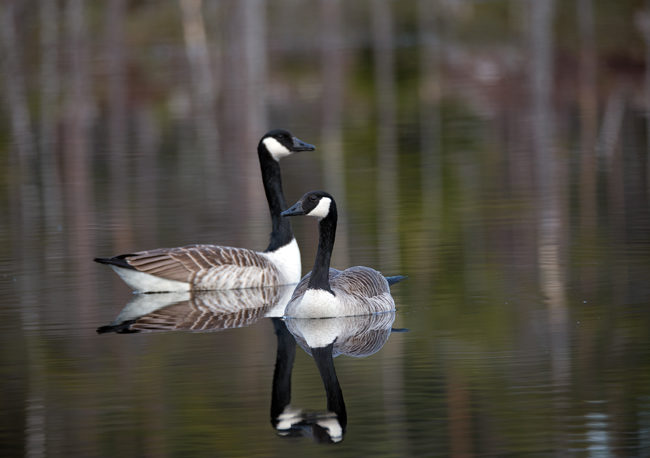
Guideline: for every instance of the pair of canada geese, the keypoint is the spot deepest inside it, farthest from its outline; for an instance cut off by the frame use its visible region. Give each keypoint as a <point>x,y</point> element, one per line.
<point>323,292</point>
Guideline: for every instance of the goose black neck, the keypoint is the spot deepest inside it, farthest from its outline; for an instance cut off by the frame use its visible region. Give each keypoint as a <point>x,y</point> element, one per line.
<point>327,233</point>
<point>281,233</point>
<point>325,362</point>
<point>285,355</point>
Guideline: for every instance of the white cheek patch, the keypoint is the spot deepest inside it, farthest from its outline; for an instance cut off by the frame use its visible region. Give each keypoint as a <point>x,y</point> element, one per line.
<point>322,209</point>
<point>275,148</point>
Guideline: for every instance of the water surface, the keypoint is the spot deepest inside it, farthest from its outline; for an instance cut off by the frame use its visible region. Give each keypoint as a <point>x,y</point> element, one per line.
<point>494,152</point>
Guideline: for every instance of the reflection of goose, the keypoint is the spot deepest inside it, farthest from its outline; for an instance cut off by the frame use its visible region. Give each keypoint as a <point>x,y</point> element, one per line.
<point>199,311</point>
<point>357,336</point>
<point>289,421</point>
<point>212,267</point>
<point>326,292</point>
<point>323,339</point>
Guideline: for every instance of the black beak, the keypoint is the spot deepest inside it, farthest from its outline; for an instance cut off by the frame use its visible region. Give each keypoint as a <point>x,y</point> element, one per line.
<point>299,145</point>
<point>295,210</point>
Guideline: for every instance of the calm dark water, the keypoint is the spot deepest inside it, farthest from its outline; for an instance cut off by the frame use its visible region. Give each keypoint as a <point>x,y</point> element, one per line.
<point>494,152</point>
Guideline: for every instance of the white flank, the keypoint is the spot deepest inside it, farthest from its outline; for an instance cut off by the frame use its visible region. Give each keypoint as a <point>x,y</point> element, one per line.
<point>142,282</point>
<point>275,148</point>
<point>287,260</point>
<point>322,209</point>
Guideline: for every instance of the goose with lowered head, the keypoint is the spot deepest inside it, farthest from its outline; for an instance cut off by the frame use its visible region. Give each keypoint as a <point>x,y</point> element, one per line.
<point>326,292</point>
<point>213,267</point>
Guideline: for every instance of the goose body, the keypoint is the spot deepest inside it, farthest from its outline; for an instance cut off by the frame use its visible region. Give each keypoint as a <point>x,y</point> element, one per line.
<point>214,267</point>
<point>326,292</point>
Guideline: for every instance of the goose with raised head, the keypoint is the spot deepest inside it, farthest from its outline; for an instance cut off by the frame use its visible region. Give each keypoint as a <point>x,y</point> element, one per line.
<point>326,292</point>
<point>214,267</point>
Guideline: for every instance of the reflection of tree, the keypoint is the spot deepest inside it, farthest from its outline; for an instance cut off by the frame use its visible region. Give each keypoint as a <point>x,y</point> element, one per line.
<point>588,113</point>
<point>387,164</point>
<point>429,92</point>
<point>334,74</point>
<point>551,191</point>
<point>50,87</point>
<point>117,121</point>
<point>202,90</point>
<point>643,23</point>
<point>14,87</point>
<point>77,119</point>
<point>245,102</point>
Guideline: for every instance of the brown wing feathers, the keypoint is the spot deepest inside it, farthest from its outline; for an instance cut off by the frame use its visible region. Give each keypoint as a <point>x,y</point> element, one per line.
<point>191,263</point>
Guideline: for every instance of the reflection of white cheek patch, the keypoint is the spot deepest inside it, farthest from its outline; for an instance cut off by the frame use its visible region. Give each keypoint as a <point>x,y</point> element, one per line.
<point>322,209</point>
<point>275,148</point>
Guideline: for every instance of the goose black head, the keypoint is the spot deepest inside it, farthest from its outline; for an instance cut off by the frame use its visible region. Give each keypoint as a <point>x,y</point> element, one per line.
<point>318,204</point>
<point>279,143</point>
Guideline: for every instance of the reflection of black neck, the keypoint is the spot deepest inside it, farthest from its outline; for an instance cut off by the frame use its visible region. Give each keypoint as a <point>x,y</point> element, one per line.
<point>327,233</point>
<point>325,363</point>
<point>281,233</point>
<point>286,353</point>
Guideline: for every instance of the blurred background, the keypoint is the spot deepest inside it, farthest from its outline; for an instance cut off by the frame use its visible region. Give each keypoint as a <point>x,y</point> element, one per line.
<point>495,151</point>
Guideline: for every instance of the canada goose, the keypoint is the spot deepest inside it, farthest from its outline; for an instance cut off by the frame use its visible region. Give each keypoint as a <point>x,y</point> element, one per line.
<point>213,267</point>
<point>326,292</point>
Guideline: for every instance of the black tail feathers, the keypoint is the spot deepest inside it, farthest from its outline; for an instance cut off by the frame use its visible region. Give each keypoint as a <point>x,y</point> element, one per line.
<point>395,279</point>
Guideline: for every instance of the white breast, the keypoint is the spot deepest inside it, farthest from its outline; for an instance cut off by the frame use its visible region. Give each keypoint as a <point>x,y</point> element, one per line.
<point>287,260</point>
<point>315,303</point>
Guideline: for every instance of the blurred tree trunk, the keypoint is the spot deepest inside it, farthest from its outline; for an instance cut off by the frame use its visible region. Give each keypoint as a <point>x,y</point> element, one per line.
<point>429,38</point>
<point>588,103</point>
<point>147,142</point>
<point>541,74</point>
<point>14,88</point>
<point>203,91</point>
<point>245,101</point>
<point>333,74</point>
<point>50,87</point>
<point>253,38</point>
<point>387,192</point>
<point>429,91</point>
<point>77,122</point>
<point>78,116</point>
<point>24,215</point>
<point>22,184</point>
<point>23,222</point>
<point>588,115</point>
<point>387,163</point>
<point>643,24</point>
<point>610,139</point>
<point>117,126</point>
<point>551,189</point>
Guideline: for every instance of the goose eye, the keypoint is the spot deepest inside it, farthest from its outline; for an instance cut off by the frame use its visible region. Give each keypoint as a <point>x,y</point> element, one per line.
<point>313,198</point>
